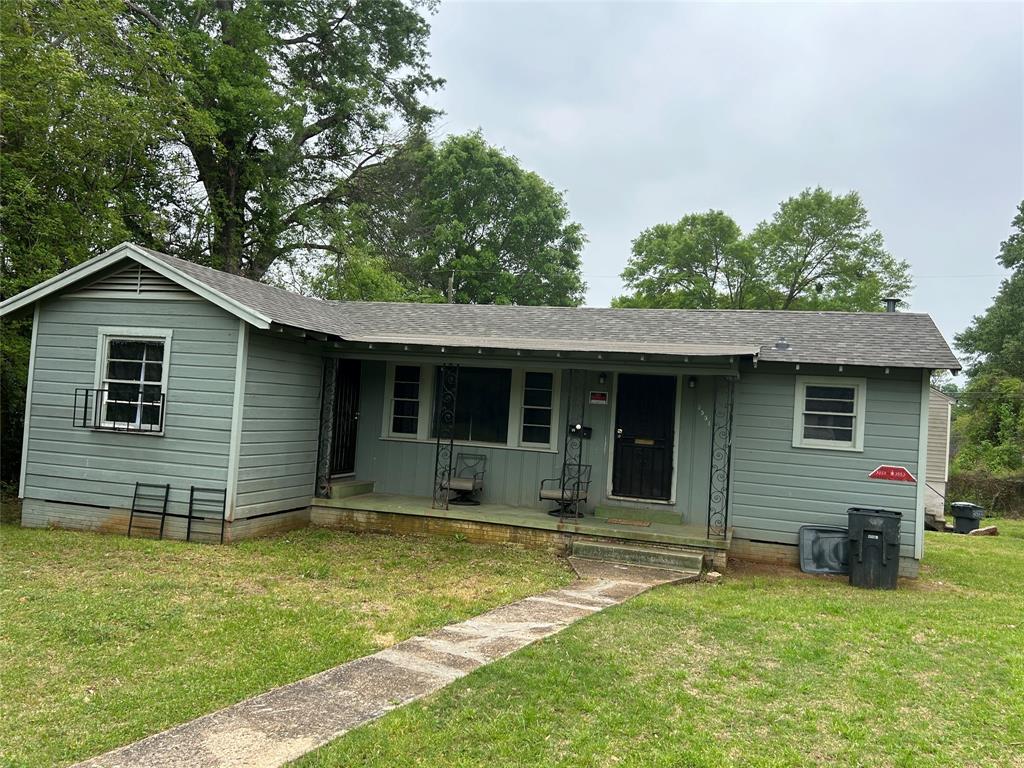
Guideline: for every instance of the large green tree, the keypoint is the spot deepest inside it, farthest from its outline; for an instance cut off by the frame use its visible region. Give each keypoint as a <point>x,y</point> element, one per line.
<point>82,113</point>
<point>995,339</point>
<point>990,417</point>
<point>459,213</point>
<point>287,103</point>
<point>819,251</point>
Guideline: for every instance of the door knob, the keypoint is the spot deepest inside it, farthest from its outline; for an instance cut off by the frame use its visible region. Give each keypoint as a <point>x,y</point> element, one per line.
<point>618,432</point>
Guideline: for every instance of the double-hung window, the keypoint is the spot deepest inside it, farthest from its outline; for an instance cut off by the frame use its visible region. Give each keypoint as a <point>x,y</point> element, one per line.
<point>538,388</point>
<point>405,400</point>
<point>829,413</point>
<point>132,379</point>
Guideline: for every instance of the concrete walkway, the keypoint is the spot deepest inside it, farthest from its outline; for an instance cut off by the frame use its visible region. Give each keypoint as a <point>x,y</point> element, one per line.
<point>287,722</point>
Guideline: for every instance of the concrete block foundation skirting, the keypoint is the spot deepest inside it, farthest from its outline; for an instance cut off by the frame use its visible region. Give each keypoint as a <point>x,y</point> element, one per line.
<point>83,517</point>
<point>789,554</point>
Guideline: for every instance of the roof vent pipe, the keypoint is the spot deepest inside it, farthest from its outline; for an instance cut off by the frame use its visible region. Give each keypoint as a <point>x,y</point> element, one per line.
<point>782,345</point>
<point>891,303</point>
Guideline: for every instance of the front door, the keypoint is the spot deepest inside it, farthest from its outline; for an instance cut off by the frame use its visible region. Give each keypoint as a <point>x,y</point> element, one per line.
<point>645,415</point>
<point>346,418</point>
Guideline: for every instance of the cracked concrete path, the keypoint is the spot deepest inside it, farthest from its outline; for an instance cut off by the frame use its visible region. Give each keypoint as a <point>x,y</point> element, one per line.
<point>287,722</point>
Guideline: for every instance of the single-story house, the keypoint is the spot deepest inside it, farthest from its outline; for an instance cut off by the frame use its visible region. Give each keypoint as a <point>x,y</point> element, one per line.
<point>723,430</point>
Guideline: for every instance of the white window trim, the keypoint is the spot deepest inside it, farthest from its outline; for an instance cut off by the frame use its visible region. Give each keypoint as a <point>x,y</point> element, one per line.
<point>154,334</point>
<point>515,410</point>
<point>860,387</point>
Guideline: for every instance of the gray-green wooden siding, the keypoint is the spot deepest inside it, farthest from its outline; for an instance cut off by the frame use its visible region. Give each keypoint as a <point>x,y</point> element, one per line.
<point>280,425</point>
<point>74,464</point>
<point>776,488</point>
<point>513,475</point>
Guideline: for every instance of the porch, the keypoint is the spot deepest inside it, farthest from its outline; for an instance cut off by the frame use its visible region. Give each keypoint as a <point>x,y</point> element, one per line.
<point>502,523</point>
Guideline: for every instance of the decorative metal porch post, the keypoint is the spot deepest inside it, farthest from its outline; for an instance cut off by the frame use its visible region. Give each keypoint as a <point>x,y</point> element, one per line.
<point>721,455</point>
<point>572,452</point>
<point>444,429</point>
<point>323,461</point>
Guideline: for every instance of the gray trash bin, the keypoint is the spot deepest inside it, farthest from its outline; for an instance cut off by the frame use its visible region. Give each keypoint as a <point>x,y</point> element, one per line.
<point>967,514</point>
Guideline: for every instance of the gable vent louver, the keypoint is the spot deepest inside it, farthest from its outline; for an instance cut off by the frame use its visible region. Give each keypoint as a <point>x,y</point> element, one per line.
<point>136,280</point>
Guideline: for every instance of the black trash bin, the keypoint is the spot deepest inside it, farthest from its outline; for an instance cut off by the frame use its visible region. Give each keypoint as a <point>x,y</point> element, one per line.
<point>874,536</point>
<point>967,516</point>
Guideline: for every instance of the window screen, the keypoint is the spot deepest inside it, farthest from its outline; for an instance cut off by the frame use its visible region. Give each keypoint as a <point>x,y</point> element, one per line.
<point>829,413</point>
<point>482,403</point>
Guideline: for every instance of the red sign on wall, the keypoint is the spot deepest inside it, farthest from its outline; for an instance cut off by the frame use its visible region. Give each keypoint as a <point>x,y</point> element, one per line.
<point>891,472</point>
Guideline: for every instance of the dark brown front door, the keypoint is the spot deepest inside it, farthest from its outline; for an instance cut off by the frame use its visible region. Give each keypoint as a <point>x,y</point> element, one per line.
<point>346,418</point>
<point>645,415</point>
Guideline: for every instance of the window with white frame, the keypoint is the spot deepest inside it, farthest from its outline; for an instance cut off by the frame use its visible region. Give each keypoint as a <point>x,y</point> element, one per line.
<point>405,400</point>
<point>829,413</point>
<point>538,387</point>
<point>496,406</point>
<point>133,379</point>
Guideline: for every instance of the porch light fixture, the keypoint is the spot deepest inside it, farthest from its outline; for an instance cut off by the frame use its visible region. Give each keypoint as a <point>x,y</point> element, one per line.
<point>602,377</point>
<point>692,382</point>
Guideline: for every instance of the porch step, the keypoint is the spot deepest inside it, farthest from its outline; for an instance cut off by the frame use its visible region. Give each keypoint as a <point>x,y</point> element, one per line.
<point>637,554</point>
<point>341,489</point>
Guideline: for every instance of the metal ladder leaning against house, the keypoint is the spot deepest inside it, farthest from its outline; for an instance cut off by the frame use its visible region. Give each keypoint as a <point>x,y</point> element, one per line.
<point>205,509</point>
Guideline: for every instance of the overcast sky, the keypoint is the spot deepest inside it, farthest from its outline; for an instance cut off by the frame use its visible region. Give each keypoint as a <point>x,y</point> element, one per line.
<point>643,113</point>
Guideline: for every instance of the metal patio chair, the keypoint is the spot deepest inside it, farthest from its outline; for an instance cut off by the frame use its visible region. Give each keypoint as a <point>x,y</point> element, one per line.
<point>568,491</point>
<point>467,479</point>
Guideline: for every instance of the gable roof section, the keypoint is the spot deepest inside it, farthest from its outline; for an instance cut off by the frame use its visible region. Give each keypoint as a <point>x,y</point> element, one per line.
<point>259,304</point>
<point>145,257</point>
<point>899,340</point>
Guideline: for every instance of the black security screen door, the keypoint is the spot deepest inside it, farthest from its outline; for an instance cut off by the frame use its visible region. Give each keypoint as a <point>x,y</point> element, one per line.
<point>346,418</point>
<point>645,410</point>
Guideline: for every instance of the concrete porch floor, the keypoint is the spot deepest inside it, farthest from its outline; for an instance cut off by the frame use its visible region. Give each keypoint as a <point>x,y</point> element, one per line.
<point>681,535</point>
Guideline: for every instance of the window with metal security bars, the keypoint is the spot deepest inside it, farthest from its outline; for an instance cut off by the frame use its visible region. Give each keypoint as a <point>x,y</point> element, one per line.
<point>829,413</point>
<point>131,383</point>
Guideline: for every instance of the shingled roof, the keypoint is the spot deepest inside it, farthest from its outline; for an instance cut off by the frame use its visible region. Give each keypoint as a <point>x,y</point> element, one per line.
<point>895,339</point>
<point>892,339</point>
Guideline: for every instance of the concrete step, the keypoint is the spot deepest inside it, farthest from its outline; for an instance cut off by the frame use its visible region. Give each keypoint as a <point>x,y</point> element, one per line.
<point>639,554</point>
<point>340,489</point>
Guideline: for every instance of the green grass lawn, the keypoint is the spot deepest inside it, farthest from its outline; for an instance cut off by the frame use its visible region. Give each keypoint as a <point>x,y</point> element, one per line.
<point>767,668</point>
<point>104,639</point>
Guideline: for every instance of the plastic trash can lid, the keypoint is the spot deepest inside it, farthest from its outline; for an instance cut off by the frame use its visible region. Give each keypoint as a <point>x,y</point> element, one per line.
<point>872,511</point>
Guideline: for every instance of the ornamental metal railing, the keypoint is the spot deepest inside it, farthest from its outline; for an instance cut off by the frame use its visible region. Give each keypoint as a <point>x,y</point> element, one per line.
<point>721,458</point>
<point>444,429</point>
<point>95,409</point>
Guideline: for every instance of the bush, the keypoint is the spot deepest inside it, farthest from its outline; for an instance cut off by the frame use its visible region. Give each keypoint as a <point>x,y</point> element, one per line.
<point>1000,496</point>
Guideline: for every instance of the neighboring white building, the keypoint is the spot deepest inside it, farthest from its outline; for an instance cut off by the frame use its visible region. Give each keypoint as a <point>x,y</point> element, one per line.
<point>940,408</point>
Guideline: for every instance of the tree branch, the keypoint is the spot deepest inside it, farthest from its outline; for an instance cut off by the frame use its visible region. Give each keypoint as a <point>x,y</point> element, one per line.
<point>144,13</point>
